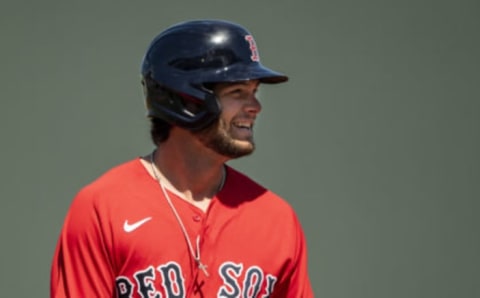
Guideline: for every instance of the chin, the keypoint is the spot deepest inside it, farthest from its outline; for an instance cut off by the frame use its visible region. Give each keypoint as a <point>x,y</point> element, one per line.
<point>244,145</point>
<point>239,148</point>
<point>234,148</point>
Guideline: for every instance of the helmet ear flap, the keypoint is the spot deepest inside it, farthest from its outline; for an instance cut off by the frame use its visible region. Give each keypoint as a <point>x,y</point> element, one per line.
<point>155,94</point>
<point>177,108</point>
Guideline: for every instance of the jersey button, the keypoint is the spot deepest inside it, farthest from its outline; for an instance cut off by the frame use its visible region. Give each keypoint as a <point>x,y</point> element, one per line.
<point>197,218</point>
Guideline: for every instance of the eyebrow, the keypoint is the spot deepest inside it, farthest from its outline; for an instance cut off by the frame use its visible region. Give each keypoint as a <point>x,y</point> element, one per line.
<point>241,83</point>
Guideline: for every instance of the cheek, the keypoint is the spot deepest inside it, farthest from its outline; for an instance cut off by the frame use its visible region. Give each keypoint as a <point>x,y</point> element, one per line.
<point>228,113</point>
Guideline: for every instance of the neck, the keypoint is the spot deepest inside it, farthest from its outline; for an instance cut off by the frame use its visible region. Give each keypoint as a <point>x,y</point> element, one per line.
<point>188,170</point>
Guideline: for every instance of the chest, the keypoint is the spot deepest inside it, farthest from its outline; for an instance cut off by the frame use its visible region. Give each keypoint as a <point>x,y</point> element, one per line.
<point>151,253</point>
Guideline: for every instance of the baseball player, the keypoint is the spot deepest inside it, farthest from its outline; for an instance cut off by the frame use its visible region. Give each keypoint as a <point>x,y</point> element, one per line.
<point>179,222</point>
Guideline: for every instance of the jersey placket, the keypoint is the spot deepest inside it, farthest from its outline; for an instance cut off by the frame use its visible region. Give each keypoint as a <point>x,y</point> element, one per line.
<point>193,218</point>
<point>194,221</point>
<point>201,280</point>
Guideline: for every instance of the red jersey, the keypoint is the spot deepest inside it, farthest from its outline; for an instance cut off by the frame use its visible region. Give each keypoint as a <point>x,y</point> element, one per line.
<point>121,239</point>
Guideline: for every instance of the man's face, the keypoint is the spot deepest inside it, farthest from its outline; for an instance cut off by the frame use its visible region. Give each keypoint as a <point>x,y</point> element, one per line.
<point>232,134</point>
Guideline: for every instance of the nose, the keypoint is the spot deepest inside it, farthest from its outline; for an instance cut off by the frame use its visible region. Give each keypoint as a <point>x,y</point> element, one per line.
<point>253,106</point>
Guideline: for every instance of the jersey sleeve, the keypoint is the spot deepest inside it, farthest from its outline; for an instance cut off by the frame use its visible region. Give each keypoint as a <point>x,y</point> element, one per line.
<point>81,265</point>
<point>297,282</point>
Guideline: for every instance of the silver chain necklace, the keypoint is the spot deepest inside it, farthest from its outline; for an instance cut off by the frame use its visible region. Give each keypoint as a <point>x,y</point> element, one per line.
<point>195,254</point>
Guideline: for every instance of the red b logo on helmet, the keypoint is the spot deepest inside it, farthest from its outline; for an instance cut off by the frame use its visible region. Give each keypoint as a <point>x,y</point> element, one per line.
<point>253,48</point>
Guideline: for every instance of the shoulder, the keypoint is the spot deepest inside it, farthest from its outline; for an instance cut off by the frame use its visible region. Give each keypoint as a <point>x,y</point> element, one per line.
<point>255,207</point>
<point>127,170</point>
<point>243,190</point>
<point>118,193</point>
<point>114,183</point>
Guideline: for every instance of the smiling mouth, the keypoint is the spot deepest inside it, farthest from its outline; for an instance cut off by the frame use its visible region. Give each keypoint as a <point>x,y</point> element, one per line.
<point>243,125</point>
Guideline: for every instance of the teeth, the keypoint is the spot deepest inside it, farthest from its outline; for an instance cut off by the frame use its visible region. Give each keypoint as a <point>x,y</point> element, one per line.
<point>243,125</point>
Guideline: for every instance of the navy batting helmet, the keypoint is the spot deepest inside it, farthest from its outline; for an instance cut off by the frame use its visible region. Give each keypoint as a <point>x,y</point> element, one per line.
<point>187,57</point>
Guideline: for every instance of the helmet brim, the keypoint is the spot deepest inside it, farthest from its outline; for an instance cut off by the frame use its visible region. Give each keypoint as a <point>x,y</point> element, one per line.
<point>237,73</point>
<point>266,75</point>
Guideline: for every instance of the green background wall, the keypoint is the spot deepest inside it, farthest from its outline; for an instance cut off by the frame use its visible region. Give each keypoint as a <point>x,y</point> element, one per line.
<point>375,140</point>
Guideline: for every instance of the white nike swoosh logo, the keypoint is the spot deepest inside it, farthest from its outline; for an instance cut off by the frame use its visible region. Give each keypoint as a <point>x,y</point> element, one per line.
<point>131,227</point>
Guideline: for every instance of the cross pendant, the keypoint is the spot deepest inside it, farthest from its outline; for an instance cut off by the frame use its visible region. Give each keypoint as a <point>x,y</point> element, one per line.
<point>203,268</point>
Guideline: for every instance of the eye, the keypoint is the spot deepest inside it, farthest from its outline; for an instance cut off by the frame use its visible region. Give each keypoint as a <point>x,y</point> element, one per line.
<point>239,90</point>
<point>236,92</point>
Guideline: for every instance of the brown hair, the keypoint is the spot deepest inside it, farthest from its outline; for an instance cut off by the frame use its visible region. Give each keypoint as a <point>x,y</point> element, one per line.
<point>154,92</point>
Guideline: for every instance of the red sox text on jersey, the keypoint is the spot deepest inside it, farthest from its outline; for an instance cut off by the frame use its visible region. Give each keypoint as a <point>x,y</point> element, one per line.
<point>173,282</point>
